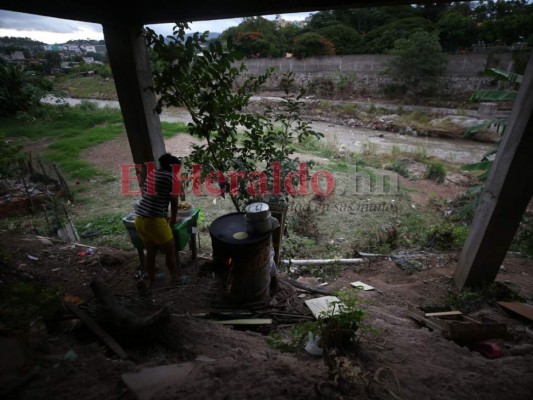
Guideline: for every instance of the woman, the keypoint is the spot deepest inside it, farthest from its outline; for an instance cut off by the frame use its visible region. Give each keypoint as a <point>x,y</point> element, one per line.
<point>151,219</point>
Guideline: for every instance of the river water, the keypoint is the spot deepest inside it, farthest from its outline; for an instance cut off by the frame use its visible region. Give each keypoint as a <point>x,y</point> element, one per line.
<point>349,138</point>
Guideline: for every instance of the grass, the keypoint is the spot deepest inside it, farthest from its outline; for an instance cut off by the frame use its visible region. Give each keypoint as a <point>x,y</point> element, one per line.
<point>171,129</point>
<point>94,87</point>
<point>399,166</point>
<point>73,129</point>
<point>351,219</point>
<point>436,171</point>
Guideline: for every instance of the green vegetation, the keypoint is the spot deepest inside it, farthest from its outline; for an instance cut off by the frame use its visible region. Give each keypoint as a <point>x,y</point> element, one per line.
<point>418,63</point>
<point>70,130</point>
<point>22,303</point>
<point>399,166</point>
<point>94,87</point>
<point>171,129</point>
<point>11,157</point>
<point>105,229</point>
<point>235,140</point>
<point>436,171</point>
<point>20,89</point>
<point>444,236</point>
<point>457,26</point>
<point>338,329</point>
<point>470,300</point>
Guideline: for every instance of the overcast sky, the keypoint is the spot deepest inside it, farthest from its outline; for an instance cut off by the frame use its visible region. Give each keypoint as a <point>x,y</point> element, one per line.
<point>54,30</point>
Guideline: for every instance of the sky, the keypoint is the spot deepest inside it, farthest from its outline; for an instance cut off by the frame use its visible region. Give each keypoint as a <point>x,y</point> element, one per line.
<point>54,30</point>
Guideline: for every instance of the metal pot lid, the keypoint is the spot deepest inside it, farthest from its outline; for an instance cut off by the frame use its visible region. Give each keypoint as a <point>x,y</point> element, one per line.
<point>256,207</point>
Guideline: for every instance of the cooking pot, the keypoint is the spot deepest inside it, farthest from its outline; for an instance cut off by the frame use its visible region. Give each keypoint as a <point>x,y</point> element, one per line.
<point>258,219</point>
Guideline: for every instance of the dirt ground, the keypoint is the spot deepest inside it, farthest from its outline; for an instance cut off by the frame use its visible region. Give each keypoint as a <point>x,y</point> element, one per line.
<point>403,360</point>
<point>62,359</point>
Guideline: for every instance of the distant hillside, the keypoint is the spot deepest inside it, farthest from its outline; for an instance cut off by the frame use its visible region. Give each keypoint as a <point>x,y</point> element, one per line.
<point>86,42</point>
<point>19,42</point>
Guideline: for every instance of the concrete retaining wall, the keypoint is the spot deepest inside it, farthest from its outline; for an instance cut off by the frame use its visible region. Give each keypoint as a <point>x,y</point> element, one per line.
<point>464,73</point>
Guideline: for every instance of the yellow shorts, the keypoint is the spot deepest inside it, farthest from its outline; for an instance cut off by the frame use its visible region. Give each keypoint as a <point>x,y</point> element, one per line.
<point>154,230</point>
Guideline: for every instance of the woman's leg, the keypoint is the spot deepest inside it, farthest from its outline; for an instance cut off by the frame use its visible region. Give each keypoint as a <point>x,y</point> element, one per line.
<point>171,258</point>
<point>151,250</point>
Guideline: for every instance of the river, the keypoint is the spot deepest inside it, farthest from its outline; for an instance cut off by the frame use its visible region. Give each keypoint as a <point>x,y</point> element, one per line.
<point>356,139</point>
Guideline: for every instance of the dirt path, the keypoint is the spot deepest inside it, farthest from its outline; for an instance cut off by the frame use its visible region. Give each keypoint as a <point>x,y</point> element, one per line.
<point>402,360</point>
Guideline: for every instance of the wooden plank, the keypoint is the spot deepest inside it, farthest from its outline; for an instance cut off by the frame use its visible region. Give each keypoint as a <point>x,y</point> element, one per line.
<point>307,288</point>
<point>445,314</point>
<point>506,195</point>
<point>475,331</point>
<point>246,321</point>
<point>467,329</point>
<point>525,310</point>
<point>97,330</point>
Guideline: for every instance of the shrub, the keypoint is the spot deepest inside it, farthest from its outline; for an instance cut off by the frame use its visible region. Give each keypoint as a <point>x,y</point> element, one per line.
<point>435,171</point>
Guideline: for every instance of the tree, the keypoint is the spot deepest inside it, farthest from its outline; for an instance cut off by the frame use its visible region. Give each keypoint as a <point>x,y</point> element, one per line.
<point>383,38</point>
<point>20,89</point>
<point>288,33</point>
<point>456,30</point>
<point>312,44</point>
<point>52,60</point>
<point>508,29</point>
<point>418,62</point>
<point>322,19</point>
<point>203,80</point>
<point>256,37</point>
<point>345,39</point>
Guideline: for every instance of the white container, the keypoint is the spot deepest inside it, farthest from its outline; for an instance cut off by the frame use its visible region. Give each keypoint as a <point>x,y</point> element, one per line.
<point>258,219</point>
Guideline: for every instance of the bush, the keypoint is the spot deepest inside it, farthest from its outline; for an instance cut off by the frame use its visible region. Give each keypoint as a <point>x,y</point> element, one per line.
<point>435,171</point>
<point>20,89</point>
<point>400,167</point>
<point>444,237</point>
<point>418,62</point>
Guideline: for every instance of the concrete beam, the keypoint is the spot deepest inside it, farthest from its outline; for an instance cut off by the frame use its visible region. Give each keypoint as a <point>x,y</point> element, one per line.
<point>508,190</point>
<point>130,63</point>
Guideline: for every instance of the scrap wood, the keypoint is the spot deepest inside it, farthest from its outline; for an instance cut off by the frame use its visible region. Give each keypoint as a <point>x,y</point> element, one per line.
<point>523,309</point>
<point>331,261</point>
<point>465,328</point>
<point>307,288</point>
<point>245,321</point>
<point>445,314</point>
<point>97,330</point>
<point>123,320</point>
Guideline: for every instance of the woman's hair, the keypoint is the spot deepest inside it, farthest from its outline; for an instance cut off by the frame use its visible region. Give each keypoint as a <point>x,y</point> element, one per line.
<point>167,160</point>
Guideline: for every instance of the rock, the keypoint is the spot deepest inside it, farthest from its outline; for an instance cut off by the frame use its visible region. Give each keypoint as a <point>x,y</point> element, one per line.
<point>388,118</point>
<point>522,350</point>
<point>45,241</point>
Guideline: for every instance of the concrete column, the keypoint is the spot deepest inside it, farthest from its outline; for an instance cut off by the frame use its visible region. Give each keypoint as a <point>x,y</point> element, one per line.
<point>130,63</point>
<point>508,190</point>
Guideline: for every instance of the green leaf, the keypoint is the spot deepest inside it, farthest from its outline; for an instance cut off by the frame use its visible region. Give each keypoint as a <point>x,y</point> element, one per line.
<point>494,95</point>
<point>479,166</point>
<point>502,75</point>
